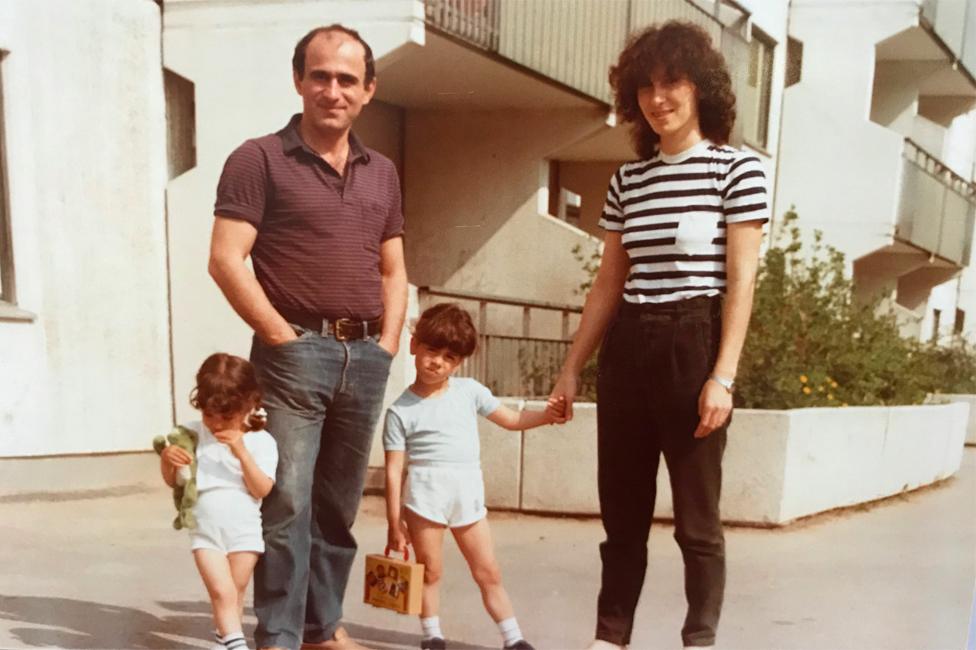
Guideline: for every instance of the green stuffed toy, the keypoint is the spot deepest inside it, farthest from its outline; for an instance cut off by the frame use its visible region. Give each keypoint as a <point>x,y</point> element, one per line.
<point>185,490</point>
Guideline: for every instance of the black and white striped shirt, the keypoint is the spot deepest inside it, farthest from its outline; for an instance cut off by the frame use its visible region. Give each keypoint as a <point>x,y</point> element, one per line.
<point>672,212</point>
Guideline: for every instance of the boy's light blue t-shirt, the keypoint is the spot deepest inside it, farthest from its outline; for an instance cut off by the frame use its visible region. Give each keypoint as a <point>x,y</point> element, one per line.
<point>442,428</point>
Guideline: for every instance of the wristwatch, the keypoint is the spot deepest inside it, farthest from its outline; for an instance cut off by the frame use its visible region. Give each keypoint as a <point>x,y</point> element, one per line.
<point>727,384</point>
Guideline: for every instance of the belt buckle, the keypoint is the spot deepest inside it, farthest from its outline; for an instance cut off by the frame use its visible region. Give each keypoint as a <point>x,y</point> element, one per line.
<point>341,323</point>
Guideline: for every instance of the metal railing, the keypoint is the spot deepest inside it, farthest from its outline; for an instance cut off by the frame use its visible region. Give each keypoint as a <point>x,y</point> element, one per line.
<point>509,364</point>
<point>475,21</point>
<point>936,208</point>
<point>575,41</point>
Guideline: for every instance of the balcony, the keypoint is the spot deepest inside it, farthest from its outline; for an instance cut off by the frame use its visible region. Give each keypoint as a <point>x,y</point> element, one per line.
<point>575,41</point>
<point>936,207</point>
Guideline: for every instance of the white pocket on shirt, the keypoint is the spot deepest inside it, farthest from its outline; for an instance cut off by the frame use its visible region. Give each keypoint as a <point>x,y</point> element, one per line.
<point>695,233</point>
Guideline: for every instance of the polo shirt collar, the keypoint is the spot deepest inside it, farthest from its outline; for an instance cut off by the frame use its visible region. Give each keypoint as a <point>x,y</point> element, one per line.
<point>291,139</point>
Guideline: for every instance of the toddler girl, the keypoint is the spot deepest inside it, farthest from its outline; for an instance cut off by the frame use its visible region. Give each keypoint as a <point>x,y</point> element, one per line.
<point>236,463</point>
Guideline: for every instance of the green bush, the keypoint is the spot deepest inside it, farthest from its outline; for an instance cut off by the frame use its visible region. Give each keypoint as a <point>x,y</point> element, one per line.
<point>812,343</point>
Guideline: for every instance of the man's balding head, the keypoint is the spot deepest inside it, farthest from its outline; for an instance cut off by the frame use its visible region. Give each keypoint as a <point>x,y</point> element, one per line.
<point>298,59</point>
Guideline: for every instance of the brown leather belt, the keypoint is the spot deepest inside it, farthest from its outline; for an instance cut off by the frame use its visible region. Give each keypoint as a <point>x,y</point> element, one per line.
<point>343,329</point>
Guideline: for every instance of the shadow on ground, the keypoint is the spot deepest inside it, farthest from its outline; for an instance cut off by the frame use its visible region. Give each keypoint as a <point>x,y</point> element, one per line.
<point>393,639</point>
<point>85,625</point>
<point>69,623</point>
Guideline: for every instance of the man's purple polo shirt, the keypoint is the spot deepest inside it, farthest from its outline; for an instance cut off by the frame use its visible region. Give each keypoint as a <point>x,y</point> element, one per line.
<point>319,234</point>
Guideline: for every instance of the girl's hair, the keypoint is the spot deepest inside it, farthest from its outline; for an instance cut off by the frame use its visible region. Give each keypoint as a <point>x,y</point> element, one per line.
<point>447,325</point>
<point>683,51</point>
<point>227,386</point>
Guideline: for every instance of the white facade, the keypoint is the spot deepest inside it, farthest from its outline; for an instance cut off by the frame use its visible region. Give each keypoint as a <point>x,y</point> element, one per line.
<point>84,355</point>
<point>877,123</point>
<point>115,308</point>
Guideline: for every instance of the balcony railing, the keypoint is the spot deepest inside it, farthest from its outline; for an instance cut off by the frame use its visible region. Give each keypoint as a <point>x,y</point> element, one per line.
<point>509,364</point>
<point>937,206</point>
<point>573,41</point>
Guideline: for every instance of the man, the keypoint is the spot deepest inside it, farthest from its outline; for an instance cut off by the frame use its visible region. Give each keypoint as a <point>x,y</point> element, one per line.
<point>320,216</point>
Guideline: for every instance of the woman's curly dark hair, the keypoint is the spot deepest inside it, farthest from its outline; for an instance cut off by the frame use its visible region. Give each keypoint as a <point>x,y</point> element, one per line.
<point>684,50</point>
<point>227,385</point>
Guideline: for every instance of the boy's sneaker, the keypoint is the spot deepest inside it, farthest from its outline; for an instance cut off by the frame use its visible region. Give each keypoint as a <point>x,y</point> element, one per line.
<point>521,644</point>
<point>435,643</point>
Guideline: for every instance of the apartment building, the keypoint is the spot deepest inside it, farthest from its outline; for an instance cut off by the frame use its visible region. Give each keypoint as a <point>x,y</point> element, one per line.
<point>878,139</point>
<point>117,117</point>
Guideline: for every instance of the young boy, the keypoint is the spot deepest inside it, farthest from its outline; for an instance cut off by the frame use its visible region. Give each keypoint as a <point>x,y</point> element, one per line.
<point>434,424</point>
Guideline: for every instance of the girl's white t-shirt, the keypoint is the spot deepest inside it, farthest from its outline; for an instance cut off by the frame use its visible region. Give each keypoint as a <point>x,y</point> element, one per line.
<point>217,467</point>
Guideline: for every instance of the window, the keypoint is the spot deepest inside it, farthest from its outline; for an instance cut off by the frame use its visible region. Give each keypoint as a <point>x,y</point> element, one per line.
<point>794,61</point>
<point>936,318</point>
<point>181,148</point>
<point>758,90</point>
<point>960,322</point>
<point>8,288</point>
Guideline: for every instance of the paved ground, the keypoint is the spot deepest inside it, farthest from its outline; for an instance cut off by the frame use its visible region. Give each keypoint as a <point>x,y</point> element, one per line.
<point>104,570</point>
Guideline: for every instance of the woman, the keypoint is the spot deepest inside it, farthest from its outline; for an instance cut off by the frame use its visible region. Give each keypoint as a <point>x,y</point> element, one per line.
<point>671,302</point>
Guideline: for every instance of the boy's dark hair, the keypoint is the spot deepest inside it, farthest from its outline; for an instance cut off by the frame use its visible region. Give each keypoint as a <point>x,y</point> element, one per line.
<point>298,58</point>
<point>227,385</point>
<point>684,50</point>
<point>446,325</point>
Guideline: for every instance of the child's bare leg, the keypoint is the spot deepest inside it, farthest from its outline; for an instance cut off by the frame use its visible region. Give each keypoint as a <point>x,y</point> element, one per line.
<point>476,546</point>
<point>241,569</point>
<point>427,538</point>
<point>214,568</point>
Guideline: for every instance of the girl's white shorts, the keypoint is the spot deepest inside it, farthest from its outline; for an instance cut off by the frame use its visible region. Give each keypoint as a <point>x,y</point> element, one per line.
<point>450,495</point>
<point>228,520</point>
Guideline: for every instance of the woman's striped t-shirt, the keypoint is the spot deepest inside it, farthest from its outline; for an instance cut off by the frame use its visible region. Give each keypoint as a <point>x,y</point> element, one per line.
<point>672,212</point>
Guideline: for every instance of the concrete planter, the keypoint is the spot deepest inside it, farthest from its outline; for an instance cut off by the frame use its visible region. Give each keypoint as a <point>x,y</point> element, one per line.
<point>967,399</point>
<point>779,465</point>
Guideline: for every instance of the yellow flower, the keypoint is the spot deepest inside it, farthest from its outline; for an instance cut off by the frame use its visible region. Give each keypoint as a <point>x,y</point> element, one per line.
<point>830,396</point>
<point>806,390</point>
<point>820,389</point>
<point>803,379</point>
<point>833,384</point>
<point>843,403</point>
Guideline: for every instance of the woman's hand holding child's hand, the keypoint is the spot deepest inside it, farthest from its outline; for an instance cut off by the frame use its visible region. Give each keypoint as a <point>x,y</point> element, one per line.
<point>556,410</point>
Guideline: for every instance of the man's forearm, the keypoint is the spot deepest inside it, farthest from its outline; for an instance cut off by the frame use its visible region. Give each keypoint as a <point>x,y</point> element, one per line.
<point>394,308</point>
<point>248,299</point>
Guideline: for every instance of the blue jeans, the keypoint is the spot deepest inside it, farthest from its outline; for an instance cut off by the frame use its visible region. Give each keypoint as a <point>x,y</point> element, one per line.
<point>323,398</point>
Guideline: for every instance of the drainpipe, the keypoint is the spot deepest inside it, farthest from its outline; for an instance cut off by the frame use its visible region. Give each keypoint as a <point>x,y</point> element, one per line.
<point>166,233</point>
<point>779,129</point>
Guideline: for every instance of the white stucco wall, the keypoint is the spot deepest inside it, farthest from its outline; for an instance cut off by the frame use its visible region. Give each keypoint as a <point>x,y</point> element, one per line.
<point>840,169</point>
<point>477,200</point>
<point>86,158</point>
<point>590,180</point>
<point>238,55</point>
<point>959,151</point>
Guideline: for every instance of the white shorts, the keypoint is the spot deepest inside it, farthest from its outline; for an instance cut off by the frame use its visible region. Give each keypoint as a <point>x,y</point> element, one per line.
<point>452,496</point>
<point>228,520</point>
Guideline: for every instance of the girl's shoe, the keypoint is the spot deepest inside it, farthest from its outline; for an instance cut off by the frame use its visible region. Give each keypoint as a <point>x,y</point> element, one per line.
<point>435,643</point>
<point>521,644</point>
